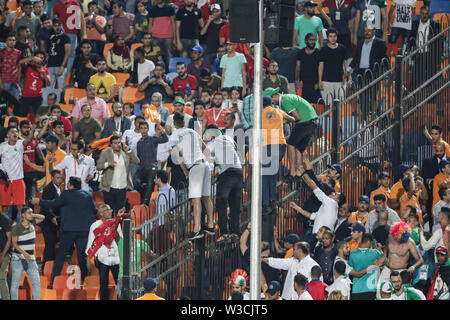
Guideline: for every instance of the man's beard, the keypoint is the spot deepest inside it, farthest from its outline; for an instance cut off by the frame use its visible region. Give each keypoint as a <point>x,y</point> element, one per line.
<point>215,105</point>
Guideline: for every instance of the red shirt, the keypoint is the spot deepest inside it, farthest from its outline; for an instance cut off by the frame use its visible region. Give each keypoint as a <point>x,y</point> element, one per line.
<point>224,32</point>
<point>9,64</point>
<point>67,124</point>
<point>34,82</point>
<point>214,116</point>
<point>250,66</point>
<point>186,85</point>
<point>29,151</point>
<point>316,289</point>
<point>67,14</point>
<point>346,4</point>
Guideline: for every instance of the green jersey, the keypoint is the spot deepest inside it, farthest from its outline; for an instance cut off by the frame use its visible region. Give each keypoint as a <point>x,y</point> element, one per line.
<point>290,102</point>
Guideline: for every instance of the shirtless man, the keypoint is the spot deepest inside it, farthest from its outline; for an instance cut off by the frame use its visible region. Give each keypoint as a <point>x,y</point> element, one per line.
<point>399,248</point>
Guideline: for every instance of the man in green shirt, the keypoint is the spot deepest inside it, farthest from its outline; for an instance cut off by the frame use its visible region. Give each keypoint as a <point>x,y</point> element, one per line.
<point>308,23</point>
<point>304,128</point>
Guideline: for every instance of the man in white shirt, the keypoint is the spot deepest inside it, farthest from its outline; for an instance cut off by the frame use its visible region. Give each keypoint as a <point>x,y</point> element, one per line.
<point>178,106</point>
<point>11,154</point>
<point>341,283</point>
<point>142,67</point>
<point>301,262</point>
<point>187,150</point>
<point>444,194</point>
<point>77,164</point>
<point>300,282</point>
<point>131,137</point>
<point>105,259</point>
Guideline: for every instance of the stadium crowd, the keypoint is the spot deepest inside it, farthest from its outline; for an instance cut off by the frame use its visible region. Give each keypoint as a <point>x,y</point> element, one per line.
<point>148,96</point>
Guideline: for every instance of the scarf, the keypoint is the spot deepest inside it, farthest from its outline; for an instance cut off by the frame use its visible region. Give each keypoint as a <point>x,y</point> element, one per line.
<point>121,51</point>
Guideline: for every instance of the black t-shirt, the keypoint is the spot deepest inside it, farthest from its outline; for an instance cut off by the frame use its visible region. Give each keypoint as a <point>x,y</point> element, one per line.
<point>82,74</point>
<point>5,226</point>
<point>286,59</point>
<point>25,49</point>
<point>381,234</point>
<point>212,37</point>
<point>309,66</point>
<point>215,86</point>
<point>56,49</point>
<point>333,60</point>
<point>178,180</point>
<point>271,274</point>
<point>157,12</point>
<point>189,28</point>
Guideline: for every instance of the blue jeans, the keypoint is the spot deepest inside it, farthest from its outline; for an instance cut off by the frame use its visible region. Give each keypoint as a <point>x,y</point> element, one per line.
<point>73,45</point>
<point>54,78</point>
<point>274,154</point>
<point>33,275</point>
<point>165,45</point>
<point>13,89</point>
<point>188,44</point>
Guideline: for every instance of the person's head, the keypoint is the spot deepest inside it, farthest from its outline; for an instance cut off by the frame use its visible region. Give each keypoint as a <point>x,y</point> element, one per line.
<point>379,201</point>
<point>225,93</point>
<point>161,178</point>
<point>444,194</point>
<point>156,99</point>
<point>217,100</point>
<point>141,7</point>
<point>128,109</point>
<point>216,11</point>
<point>439,150</point>
<point>339,197</point>
<point>178,120</point>
<point>273,67</point>
<point>290,240</point>
<point>119,40</point>
<point>199,109</point>
<point>327,239</point>
<point>101,65</point>
<point>369,31</point>
<point>147,39</point>
<point>301,250</point>
<point>424,14</point>
<point>117,109</point>
<point>41,59</point>
<point>238,284</point>
<point>332,36</point>
<point>309,7</point>
<point>316,272</point>
<point>366,240</point>
<point>231,47</point>
<point>137,121</point>
<point>178,105</point>
<point>396,281</point>
<point>339,268</point>
<point>181,68</point>
<point>92,7</point>
<point>90,90</point>
<point>139,54</point>
<point>407,211</point>
<point>413,220</point>
<point>51,143</point>
<point>57,177</point>
<point>105,212</point>
<point>86,110</point>
<point>38,9</point>
<point>406,277</point>
<point>115,142</point>
<point>117,8</point>
<point>229,120</point>
<point>12,134</point>
<point>310,40</point>
<point>343,211</point>
<point>26,214</point>
<point>357,231</point>
<point>386,290</point>
<point>86,47</point>
<point>205,97</point>
<point>273,290</point>
<point>300,282</point>
<point>235,93</point>
<point>343,248</point>
<point>444,166</point>
<point>444,216</point>
<point>11,40</point>
<point>58,127</point>
<point>383,217</point>
<point>400,231</point>
<point>55,111</point>
<point>150,285</point>
<point>76,148</point>
<point>27,7</point>
<point>23,33</point>
<point>320,232</point>
<point>335,295</point>
<point>196,52</point>
<point>47,22</point>
<point>74,183</point>
<point>25,127</point>
<point>363,203</point>
<point>143,128</point>
<point>441,255</point>
<point>222,51</point>
<point>384,179</point>
<point>57,25</point>
<point>160,68</point>
<point>189,3</point>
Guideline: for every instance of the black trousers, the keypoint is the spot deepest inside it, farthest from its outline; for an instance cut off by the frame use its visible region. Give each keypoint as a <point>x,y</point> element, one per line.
<point>29,178</point>
<point>143,181</point>
<point>50,233</point>
<point>229,191</point>
<point>103,271</point>
<point>115,198</point>
<point>66,241</point>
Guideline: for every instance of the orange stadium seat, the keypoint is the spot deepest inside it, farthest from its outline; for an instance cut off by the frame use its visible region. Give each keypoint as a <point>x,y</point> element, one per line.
<point>74,294</point>
<point>66,107</point>
<point>11,5</point>
<point>106,48</point>
<point>48,294</point>
<point>77,94</point>
<point>132,95</point>
<point>134,46</point>
<point>60,284</point>
<point>121,78</point>
<point>188,110</point>
<point>91,285</point>
<point>134,198</point>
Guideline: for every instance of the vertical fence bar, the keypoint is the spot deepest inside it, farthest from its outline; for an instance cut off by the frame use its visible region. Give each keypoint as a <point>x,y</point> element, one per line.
<point>335,132</point>
<point>398,130</point>
<point>126,290</point>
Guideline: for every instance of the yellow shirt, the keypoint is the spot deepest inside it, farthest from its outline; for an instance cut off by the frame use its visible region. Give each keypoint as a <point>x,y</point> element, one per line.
<point>150,296</point>
<point>272,124</point>
<point>289,253</point>
<point>397,191</point>
<point>354,217</point>
<point>59,155</point>
<point>103,84</point>
<point>439,179</point>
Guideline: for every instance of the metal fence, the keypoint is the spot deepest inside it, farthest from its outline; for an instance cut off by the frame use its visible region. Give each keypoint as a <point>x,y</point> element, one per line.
<point>378,124</point>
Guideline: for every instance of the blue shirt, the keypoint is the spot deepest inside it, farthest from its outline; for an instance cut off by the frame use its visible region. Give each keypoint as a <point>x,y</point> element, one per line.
<point>365,54</point>
<point>359,260</point>
<point>216,66</point>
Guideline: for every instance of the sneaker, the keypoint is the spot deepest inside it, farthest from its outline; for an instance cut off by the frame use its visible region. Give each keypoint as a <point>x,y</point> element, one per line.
<point>223,239</point>
<point>195,235</point>
<point>209,231</point>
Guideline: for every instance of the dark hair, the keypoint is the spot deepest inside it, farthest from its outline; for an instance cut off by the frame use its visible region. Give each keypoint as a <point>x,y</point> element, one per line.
<point>236,295</point>
<point>10,128</point>
<point>304,246</point>
<point>366,237</point>
<point>143,123</point>
<point>231,114</point>
<point>413,214</point>
<point>57,21</point>
<point>342,199</point>
<point>25,209</point>
<point>178,119</point>
<point>45,17</point>
<point>55,171</point>
<point>340,267</point>
<point>331,30</point>
<point>446,212</point>
<point>22,28</point>
<point>161,174</point>
<point>394,273</point>
<point>406,277</point>
<point>205,72</point>
<point>208,91</point>
<point>57,123</point>
<point>14,119</point>
<point>26,3</point>
<point>139,118</point>
<point>436,127</point>
<point>55,107</point>
<point>101,59</point>
<point>52,94</point>
<point>120,4</point>
<point>301,280</point>
<point>442,192</point>
<point>23,123</point>
<point>11,34</point>
<point>75,182</point>
<point>113,138</point>
<point>80,144</point>
<point>413,210</point>
<point>309,35</point>
<point>140,50</point>
<point>86,41</point>
<point>316,272</point>
<point>91,3</point>
<point>179,63</point>
<point>329,232</point>
<point>340,244</point>
<point>379,197</point>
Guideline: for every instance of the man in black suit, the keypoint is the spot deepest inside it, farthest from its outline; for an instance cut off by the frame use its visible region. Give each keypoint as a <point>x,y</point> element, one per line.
<point>342,227</point>
<point>78,211</point>
<point>49,226</point>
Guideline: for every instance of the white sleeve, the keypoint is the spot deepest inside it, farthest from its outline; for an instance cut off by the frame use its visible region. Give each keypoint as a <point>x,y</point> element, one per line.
<point>434,240</point>
<point>313,216</point>
<point>90,238</point>
<point>281,264</point>
<point>62,165</point>
<point>321,196</point>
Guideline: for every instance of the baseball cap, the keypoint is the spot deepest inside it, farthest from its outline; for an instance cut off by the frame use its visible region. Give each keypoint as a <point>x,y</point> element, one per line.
<point>443,163</point>
<point>292,238</point>
<point>364,198</point>
<point>214,6</point>
<point>386,287</point>
<point>267,101</point>
<point>150,283</point>
<point>198,48</point>
<point>44,117</point>
<point>229,42</point>
<point>441,250</point>
<point>270,91</point>
<point>384,174</point>
<point>273,287</point>
<point>52,138</point>
<point>404,167</point>
<point>309,4</point>
<point>336,167</point>
<point>358,226</point>
<point>179,100</point>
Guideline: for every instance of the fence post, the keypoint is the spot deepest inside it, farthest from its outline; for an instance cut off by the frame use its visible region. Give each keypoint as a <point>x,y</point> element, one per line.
<point>199,266</point>
<point>126,278</point>
<point>335,132</point>
<point>398,131</point>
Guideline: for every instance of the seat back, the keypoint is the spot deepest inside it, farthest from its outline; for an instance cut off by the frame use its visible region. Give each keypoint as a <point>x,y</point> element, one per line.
<point>132,95</point>
<point>74,294</point>
<point>60,284</point>
<point>77,94</point>
<point>173,63</point>
<point>106,48</point>
<point>134,46</point>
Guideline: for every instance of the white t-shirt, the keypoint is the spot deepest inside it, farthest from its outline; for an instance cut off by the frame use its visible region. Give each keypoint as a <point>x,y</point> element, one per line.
<point>403,14</point>
<point>82,170</point>
<point>106,256</point>
<point>133,138</point>
<point>144,69</point>
<point>305,296</point>
<point>12,159</point>
<point>327,213</point>
<point>224,154</point>
<point>189,143</point>
<point>341,284</point>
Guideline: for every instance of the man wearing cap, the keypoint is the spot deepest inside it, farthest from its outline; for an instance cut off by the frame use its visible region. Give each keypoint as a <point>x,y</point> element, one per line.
<point>334,172</point>
<point>150,290</point>
<point>197,62</point>
<point>357,232</point>
<point>288,244</point>
<point>273,291</point>
<point>212,30</point>
<point>442,275</point>
<point>184,82</point>
<point>386,291</point>
<point>308,23</point>
<point>442,179</point>
<point>178,106</point>
<point>384,182</point>
<point>414,195</point>
<point>188,22</point>
<point>305,126</point>
<point>234,73</point>
<point>362,213</point>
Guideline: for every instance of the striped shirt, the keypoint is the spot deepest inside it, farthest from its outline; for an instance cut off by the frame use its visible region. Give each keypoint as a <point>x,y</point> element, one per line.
<point>26,240</point>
